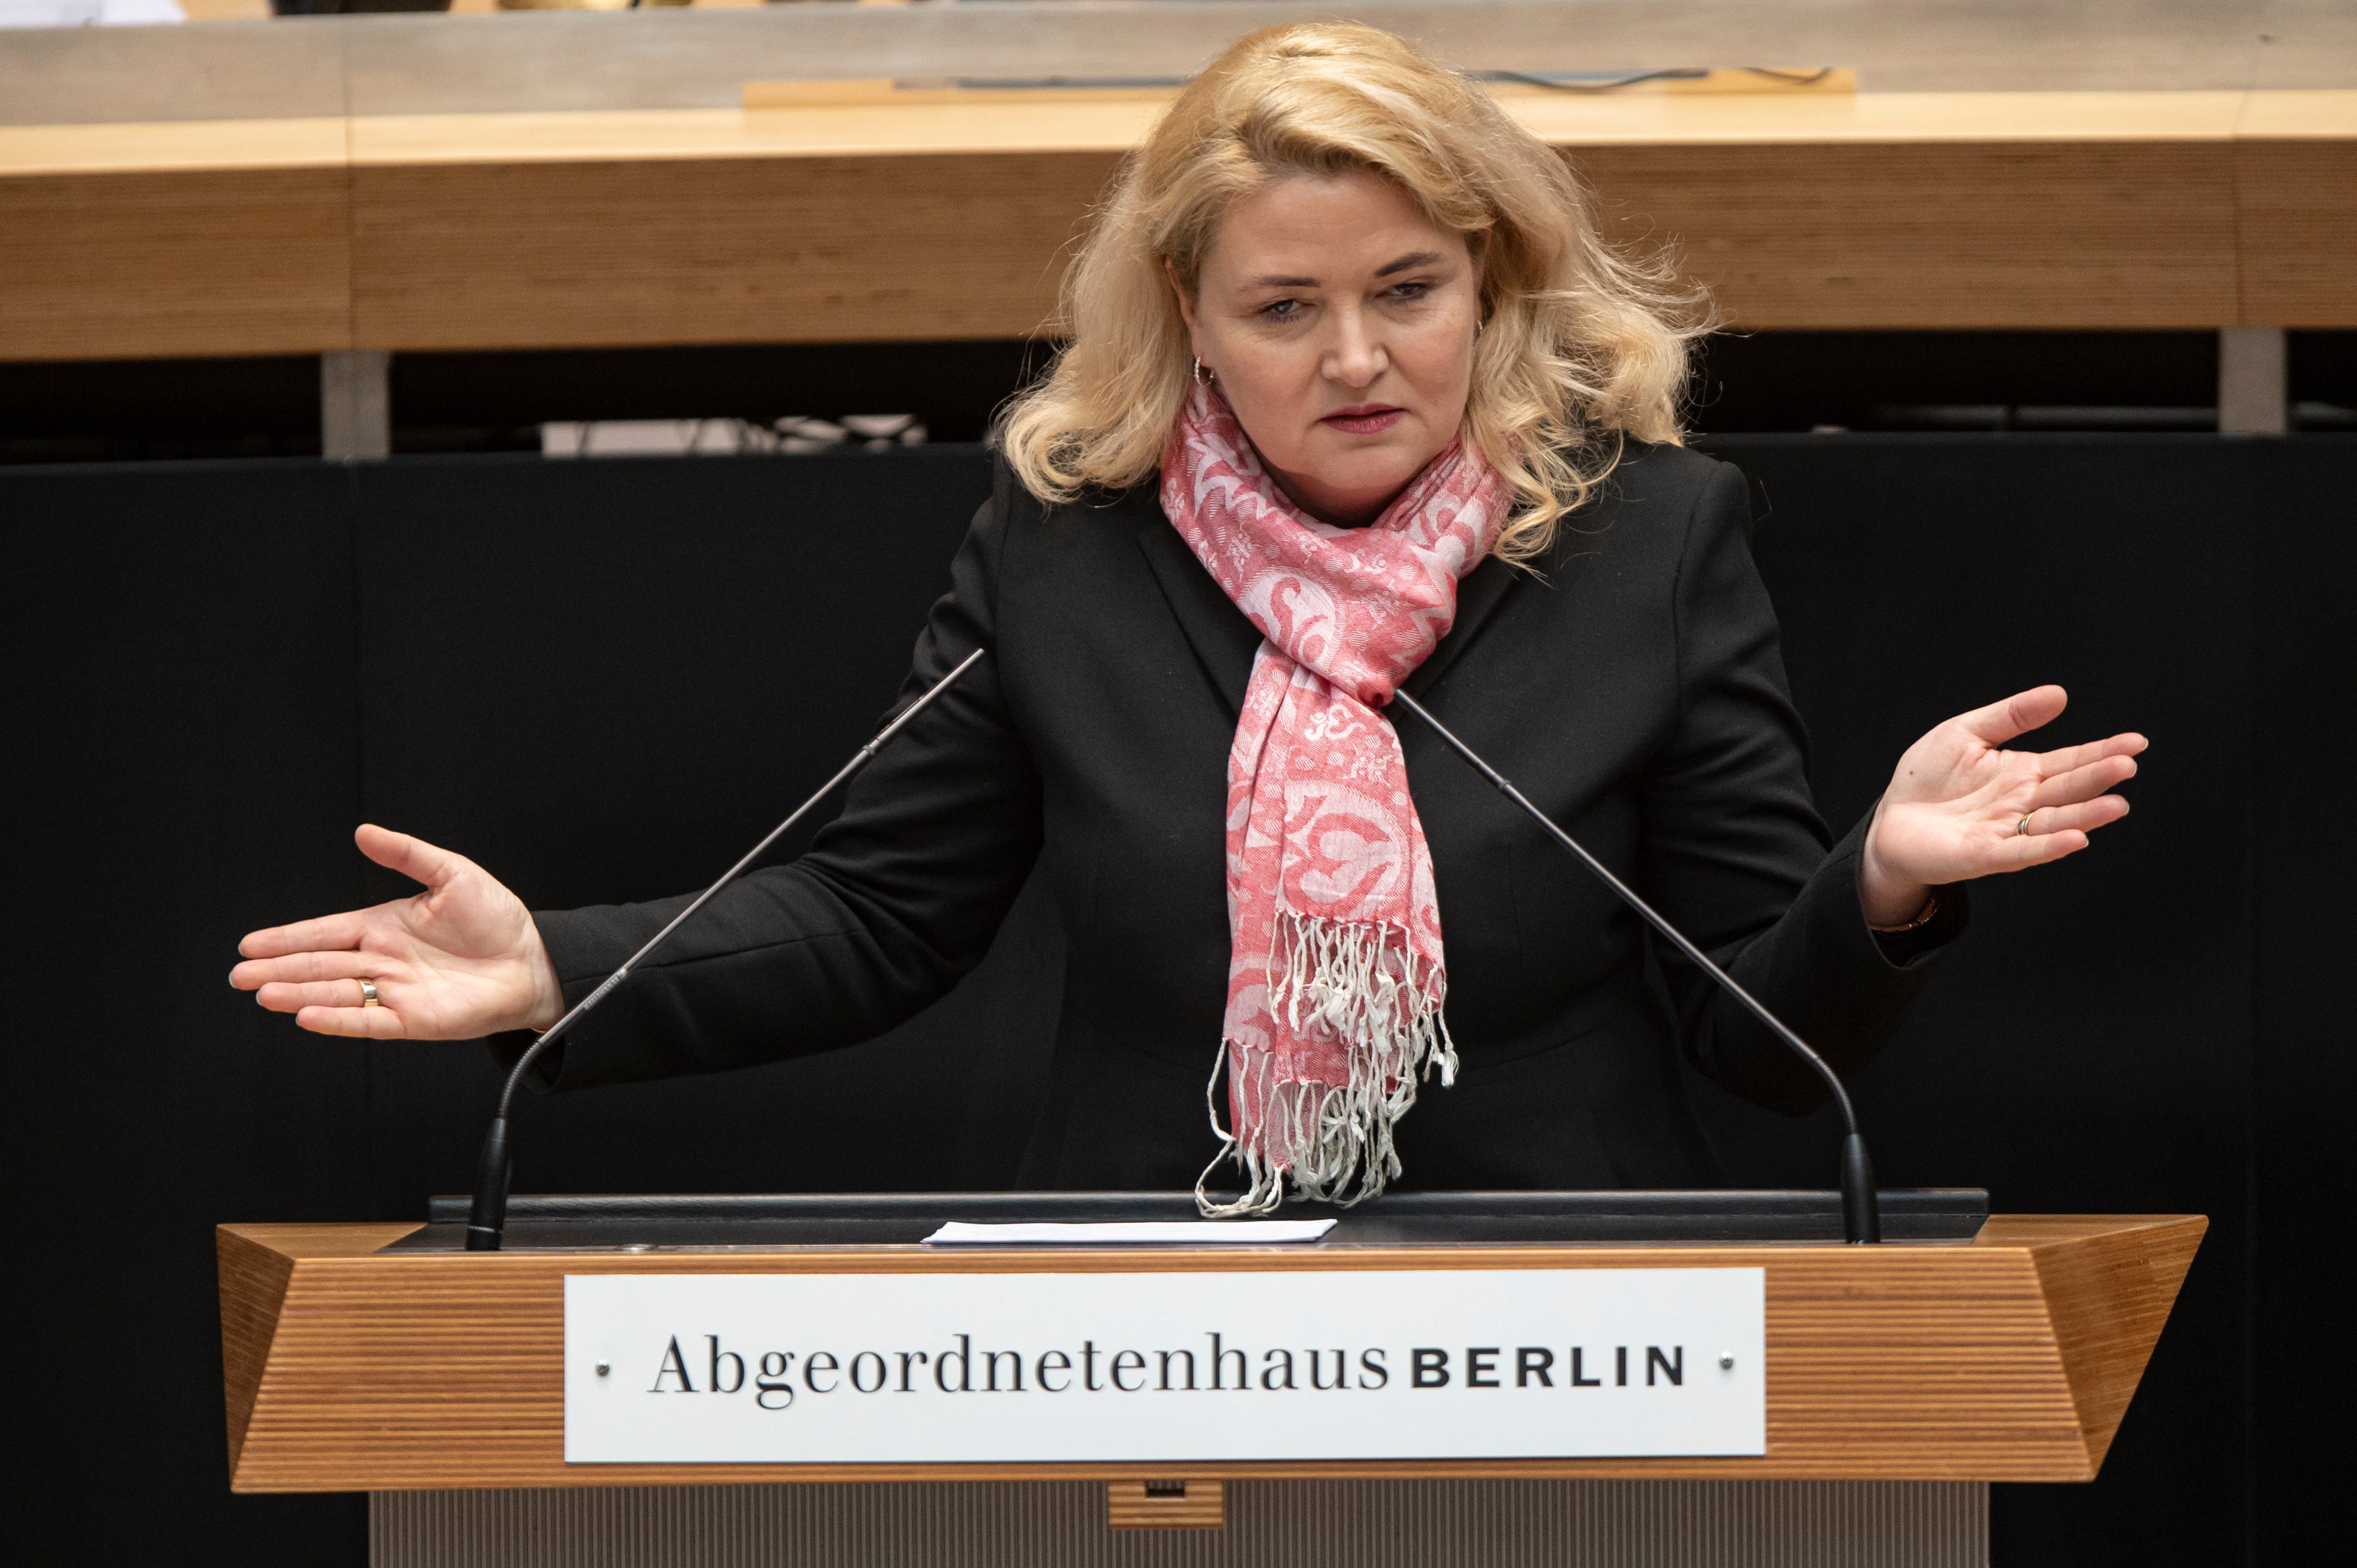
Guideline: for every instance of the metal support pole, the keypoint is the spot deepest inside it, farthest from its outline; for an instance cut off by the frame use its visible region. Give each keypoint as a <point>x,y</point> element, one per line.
<point>2253,386</point>
<point>355,403</point>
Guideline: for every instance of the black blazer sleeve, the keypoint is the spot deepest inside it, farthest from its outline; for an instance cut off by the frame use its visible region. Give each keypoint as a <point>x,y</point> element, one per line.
<point>1734,854</point>
<point>896,899</point>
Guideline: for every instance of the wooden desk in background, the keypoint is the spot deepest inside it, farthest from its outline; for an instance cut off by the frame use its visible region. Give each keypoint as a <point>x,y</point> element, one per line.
<point>952,221</point>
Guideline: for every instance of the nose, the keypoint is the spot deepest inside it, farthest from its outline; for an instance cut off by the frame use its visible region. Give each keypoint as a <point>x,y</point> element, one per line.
<point>1355,357</point>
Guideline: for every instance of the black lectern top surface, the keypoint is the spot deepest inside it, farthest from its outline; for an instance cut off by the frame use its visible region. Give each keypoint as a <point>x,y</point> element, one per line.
<point>776,1221</point>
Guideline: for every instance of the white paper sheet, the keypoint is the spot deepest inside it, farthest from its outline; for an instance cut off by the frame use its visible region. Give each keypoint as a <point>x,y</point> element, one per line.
<point>1183,1232</point>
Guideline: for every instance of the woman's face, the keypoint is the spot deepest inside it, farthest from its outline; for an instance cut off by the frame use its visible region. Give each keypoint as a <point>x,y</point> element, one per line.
<point>1339,320</point>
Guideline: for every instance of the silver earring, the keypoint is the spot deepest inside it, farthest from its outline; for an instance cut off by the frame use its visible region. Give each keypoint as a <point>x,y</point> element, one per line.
<point>1203,378</point>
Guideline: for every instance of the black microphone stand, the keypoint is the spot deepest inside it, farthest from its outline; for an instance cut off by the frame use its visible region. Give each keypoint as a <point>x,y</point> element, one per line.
<point>1861,1212</point>
<point>486,1221</point>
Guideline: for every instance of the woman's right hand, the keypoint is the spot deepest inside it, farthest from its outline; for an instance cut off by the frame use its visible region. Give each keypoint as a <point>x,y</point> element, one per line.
<point>458,962</point>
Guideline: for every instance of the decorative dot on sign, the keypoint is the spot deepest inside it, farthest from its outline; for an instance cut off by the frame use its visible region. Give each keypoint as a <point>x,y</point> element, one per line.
<point>603,1369</point>
<point>1724,1362</point>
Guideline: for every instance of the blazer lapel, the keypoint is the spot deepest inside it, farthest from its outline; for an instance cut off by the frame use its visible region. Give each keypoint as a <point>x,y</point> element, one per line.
<point>1224,641</point>
<point>1479,593</point>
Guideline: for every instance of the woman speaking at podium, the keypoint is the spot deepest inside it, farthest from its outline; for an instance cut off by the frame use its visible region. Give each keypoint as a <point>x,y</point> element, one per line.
<point>1355,402</point>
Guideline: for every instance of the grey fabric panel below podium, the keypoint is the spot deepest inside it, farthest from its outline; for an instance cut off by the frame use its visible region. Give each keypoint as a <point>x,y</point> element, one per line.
<point>1271,1524</point>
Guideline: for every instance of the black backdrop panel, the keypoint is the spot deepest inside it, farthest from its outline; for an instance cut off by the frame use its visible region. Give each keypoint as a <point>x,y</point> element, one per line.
<point>183,763</point>
<point>2089,1048</point>
<point>601,680</point>
<point>2303,760</point>
<point>604,681</point>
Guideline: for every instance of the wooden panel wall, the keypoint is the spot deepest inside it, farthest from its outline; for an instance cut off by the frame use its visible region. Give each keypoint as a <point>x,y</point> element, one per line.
<point>806,250</point>
<point>864,224</point>
<point>1929,234</point>
<point>150,265</point>
<point>2296,184</point>
<point>2296,203</point>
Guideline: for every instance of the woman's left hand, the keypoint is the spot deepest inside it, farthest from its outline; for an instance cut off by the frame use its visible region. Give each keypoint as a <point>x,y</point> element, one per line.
<point>1959,807</point>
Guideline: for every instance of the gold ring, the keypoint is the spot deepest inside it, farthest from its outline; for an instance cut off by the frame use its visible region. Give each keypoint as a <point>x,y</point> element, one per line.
<point>367,994</point>
<point>2021,828</point>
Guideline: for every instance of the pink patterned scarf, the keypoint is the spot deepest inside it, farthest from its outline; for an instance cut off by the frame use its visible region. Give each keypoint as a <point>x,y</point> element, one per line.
<point>1335,978</point>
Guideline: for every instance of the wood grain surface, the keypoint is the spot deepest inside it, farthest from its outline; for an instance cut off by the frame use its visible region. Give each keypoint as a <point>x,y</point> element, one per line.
<point>154,264</point>
<point>252,1288</point>
<point>807,250</point>
<point>2008,1359</point>
<point>1202,1506</point>
<point>928,221</point>
<point>2296,204</point>
<point>2107,1297</point>
<point>1938,234</point>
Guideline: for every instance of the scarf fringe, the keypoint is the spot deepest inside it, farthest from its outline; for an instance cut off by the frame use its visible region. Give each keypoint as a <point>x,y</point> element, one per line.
<point>1360,983</point>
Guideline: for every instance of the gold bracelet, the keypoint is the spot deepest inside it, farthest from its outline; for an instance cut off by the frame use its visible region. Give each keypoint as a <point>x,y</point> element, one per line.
<point>1930,909</point>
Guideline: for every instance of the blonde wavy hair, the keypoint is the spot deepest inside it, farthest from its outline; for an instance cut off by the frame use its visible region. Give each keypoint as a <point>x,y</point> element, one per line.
<point>1583,345</point>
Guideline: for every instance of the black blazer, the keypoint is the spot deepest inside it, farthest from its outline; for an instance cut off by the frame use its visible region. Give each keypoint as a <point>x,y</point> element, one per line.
<point>1633,688</point>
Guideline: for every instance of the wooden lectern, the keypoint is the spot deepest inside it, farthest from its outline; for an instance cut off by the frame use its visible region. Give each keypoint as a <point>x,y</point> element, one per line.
<point>1901,1379</point>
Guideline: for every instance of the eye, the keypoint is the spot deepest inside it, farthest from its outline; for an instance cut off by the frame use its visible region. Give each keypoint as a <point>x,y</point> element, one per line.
<point>1282,311</point>
<point>1410,291</point>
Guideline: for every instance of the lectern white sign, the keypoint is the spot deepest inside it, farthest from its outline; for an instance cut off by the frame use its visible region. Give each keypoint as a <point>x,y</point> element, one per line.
<point>1292,1364</point>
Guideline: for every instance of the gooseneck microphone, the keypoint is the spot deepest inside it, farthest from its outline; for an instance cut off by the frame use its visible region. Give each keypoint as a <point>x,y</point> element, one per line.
<point>1861,1213</point>
<point>486,1221</point>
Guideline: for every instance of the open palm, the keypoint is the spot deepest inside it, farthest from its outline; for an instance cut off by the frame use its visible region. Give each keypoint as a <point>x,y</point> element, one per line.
<point>1960,806</point>
<point>458,961</point>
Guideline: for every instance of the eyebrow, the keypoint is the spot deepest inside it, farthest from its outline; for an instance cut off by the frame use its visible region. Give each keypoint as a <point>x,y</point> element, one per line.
<point>1413,260</point>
